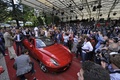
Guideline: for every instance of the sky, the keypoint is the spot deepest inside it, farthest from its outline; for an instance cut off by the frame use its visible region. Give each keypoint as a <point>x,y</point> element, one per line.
<point>16,1</point>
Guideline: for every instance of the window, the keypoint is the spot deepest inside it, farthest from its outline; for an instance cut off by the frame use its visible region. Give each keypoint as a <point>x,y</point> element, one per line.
<point>40,43</point>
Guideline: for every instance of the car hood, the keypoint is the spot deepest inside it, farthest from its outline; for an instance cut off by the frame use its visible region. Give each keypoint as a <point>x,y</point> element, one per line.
<point>57,52</point>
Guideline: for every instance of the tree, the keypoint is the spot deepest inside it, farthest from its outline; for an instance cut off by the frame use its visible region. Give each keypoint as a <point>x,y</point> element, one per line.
<point>40,20</point>
<point>56,19</point>
<point>51,19</point>
<point>48,19</point>
<point>4,13</point>
<point>27,14</point>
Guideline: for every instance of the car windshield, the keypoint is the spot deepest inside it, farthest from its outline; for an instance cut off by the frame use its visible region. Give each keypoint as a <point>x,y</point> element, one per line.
<point>43,42</point>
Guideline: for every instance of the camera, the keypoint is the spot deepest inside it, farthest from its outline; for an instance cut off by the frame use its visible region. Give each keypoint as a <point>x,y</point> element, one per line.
<point>102,55</point>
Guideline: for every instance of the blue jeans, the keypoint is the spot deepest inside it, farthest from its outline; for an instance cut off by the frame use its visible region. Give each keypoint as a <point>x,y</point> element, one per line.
<point>83,56</point>
<point>65,44</point>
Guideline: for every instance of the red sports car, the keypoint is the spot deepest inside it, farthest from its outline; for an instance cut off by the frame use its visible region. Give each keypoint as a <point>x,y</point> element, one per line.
<point>51,56</point>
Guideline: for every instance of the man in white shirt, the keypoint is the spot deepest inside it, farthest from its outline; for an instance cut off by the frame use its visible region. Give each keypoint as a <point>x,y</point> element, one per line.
<point>66,38</point>
<point>36,31</point>
<point>86,49</point>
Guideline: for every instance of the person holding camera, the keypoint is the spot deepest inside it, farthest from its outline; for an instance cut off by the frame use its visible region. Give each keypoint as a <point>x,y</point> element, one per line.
<point>101,51</point>
<point>9,43</point>
<point>113,66</point>
<point>23,65</point>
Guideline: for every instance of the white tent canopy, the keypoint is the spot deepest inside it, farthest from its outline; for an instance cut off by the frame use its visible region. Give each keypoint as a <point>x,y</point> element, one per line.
<point>82,9</point>
<point>4,25</point>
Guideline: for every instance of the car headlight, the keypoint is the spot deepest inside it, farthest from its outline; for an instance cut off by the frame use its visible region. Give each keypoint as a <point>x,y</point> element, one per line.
<point>54,62</point>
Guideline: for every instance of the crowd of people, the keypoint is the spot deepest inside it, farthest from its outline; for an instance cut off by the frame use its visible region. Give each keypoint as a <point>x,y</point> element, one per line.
<point>101,45</point>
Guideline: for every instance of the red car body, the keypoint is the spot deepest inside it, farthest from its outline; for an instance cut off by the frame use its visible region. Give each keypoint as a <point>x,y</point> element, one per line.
<point>54,57</point>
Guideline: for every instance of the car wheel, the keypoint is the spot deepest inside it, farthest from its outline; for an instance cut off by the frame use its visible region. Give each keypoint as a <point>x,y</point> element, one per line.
<point>43,67</point>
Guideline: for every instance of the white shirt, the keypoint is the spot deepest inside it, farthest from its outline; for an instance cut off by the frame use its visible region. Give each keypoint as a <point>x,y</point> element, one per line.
<point>75,40</point>
<point>115,76</point>
<point>24,32</point>
<point>46,33</point>
<point>66,38</point>
<point>36,31</point>
<point>87,46</point>
<point>18,37</point>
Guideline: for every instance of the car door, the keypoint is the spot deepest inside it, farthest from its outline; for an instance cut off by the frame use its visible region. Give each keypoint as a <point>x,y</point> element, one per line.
<point>32,47</point>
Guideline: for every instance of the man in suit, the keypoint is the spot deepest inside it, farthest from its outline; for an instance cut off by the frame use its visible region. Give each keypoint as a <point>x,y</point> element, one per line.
<point>23,65</point>
<point>18,41</point>
<point>9,43</point>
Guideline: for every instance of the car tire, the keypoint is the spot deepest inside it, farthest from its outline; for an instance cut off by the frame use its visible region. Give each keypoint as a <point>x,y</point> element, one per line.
<point>43,67</point>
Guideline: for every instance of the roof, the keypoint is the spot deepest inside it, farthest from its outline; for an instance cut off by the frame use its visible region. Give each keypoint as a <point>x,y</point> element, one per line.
<point>77,9</point>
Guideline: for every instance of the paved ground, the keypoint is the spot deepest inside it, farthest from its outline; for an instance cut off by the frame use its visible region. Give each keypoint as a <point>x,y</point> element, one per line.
<point>3,76</point>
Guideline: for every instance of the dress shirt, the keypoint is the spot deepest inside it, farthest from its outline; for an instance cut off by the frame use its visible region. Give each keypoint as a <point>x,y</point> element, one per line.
<point>87,46</point>
<point>18,37</point>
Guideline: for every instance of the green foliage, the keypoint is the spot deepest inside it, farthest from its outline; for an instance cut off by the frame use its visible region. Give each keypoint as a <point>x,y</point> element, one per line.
<point>3,11</point>
<point>56,19</point>
<point>40,20</point>
<point>35,21</point>
<point>26,15</point>
<point>48,19</point>
<point>51,19</point>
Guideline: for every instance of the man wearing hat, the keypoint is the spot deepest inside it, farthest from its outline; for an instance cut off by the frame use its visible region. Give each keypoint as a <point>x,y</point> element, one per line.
<point>115,64</point>
<point>114,67</point>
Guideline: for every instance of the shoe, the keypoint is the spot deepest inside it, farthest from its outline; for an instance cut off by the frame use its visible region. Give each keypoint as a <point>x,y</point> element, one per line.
<point>11,58</point>
<point>5,54</point>
<point>34,72</point>
<point>34,78</point>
